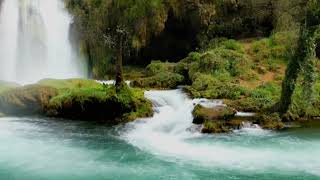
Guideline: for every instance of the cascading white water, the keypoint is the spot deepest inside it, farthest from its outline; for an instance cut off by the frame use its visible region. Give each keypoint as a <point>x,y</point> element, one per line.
<point>169,135</point>
<point>34,42</point>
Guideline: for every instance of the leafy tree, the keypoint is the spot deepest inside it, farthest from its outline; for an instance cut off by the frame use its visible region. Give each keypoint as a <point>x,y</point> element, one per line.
<point>304,56</point>
<point>118,25</point>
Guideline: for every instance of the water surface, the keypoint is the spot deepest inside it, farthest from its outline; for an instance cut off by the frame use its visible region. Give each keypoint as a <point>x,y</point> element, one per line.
<point>162,147</point>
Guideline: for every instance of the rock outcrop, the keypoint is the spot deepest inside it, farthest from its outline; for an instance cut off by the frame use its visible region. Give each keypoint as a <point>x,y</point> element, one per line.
<point>27,100</point>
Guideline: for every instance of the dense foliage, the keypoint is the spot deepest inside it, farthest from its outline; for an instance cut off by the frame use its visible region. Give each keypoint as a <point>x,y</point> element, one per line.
<point>194,39</point>
<point>169,30</point>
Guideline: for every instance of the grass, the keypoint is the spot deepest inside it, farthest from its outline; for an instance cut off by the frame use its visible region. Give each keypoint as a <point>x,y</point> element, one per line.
<point>101,102</point>
<point>69,83</point>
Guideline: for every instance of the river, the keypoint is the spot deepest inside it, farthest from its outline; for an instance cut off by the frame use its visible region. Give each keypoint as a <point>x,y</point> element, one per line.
<point>165,146</point>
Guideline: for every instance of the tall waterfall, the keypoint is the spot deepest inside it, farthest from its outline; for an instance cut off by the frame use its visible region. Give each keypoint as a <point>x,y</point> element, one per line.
<point>34,42</point>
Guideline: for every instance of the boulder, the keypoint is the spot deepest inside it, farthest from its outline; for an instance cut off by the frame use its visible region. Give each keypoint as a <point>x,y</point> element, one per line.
<point>215,127</point>
<point>102,104</point>
<point>202,114</point>
<point>270,121</point>
<point>26,100</point>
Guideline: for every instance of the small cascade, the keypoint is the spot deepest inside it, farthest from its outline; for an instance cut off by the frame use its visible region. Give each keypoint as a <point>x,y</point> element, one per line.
<point>247,125</point>
<point>171,135</point>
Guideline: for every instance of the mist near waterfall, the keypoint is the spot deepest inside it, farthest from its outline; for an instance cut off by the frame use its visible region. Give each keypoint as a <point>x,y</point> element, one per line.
<point>34,42</point>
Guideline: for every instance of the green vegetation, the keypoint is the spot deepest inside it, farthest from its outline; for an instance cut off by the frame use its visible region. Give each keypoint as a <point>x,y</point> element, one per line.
<point>214,127</point>
<point>100,103</point>
<point>159,29</point>
<point>76,99</point>
<point>272,122</point>
<point>69,84</point>
<point>303,60</point>
<point>259,56</point>
<point>160,75</point>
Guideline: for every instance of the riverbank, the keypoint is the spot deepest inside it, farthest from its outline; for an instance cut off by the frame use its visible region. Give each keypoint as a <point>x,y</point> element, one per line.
<point>76,99</point>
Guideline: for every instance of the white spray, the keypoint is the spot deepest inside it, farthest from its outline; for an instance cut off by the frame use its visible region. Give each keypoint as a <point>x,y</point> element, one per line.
<point>34,42</point>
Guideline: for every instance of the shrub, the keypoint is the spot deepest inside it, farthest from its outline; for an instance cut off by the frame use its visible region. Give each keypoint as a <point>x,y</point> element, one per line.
<point>209,86</point>
<point>156,67</point>
<point>163,80</point>
<point>258,100</point>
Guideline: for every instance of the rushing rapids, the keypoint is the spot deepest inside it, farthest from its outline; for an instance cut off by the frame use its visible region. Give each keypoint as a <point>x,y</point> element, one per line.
<point>169,135</point>
<point>166,146</point>
<point>34,42</point>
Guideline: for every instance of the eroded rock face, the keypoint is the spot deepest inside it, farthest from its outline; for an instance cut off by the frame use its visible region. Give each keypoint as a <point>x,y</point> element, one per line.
<point>27,100</point>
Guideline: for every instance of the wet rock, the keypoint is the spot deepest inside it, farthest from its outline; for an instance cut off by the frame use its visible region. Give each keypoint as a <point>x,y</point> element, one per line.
<point>248,124</point>
<point>271,122</point>
<point>210,127</point>
<point>202,114</point>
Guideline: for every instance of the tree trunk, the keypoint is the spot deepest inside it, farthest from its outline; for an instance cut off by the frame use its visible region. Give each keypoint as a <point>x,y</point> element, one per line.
<point>293,70</point>
<point>289,84</point>
<point>90,59</point>
<point>119,68</point>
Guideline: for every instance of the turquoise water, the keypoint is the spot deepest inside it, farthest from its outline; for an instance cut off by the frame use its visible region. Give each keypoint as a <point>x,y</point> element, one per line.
<point>166,146</point>
<point>32,148</point>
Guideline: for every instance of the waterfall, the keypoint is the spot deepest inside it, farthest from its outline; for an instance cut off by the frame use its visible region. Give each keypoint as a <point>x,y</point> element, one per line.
<point>34,42</point>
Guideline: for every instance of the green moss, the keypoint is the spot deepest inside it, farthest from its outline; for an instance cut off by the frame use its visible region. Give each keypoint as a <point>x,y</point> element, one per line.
<point>162,80</point>
<point>202,114</point>
<point>101,103</point>
<point>77,99</point>
<point>271,121</point>
<point>210,127</point>
<point>69,83</point>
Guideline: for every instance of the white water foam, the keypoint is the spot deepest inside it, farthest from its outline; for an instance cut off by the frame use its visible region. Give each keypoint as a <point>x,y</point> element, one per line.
<point>167,135</point>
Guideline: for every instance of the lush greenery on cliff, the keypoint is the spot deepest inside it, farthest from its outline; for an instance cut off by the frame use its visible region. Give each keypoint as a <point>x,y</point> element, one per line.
<point>168,30</point>
<point>257,55</point>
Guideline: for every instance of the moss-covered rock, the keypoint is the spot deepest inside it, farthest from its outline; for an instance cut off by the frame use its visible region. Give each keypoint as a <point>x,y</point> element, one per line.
<point>223,120</point>
<point>103,103</point>
<point>202,114</point>
<point>210,127</point>
<point>26,100</point>
<point>76,99</point>
<point>271,122</point>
